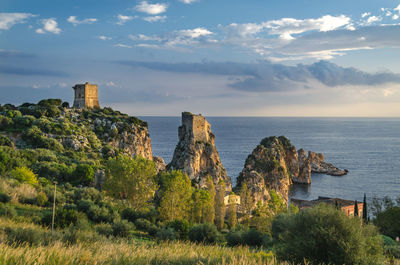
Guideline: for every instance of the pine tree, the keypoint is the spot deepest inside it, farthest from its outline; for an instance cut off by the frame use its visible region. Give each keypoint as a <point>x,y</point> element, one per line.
<point>220,209</point>
<point>356,208</point>
<point>365,209</point>
<point>232,211</point>
<point>246,203</point>
<point>210,216</point>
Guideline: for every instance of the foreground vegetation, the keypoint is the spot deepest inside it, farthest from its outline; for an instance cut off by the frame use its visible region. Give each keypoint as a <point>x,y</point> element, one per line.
<point>141,216</point>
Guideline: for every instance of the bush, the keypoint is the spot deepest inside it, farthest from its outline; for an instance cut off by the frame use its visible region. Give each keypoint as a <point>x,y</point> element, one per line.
<point>100,214</point>
<point>63,218</point>
<point>253,238</point>
<point>104,229</point>
<point>24,174</point>
<point>122,228</point>
<point>4,198</point>
<point>30,236</point>
<point>323,234</point>
<point>167,234</point>
<point>146,226</point>
<point>181,227</point>
<point>83,174</point>
<point>7,211</point>
<point>5,141</point>
<point>234,238</point>
<point>204,233</point>
<point>41,198</point>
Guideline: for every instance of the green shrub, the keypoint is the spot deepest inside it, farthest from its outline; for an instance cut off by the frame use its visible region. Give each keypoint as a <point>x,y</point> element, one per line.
<point>63,218</point>
<point>101,214</point>
<point>104,229</point>
<point>253,238</point>
<point>24,174</point>
<point>122,228</point>
<point>7,211</point>
<point>74,236</point>
<point>146,226</point>
<point>83,174</point>
<point>323,234</point>
<point>204,233</point>
<point>181,227</point>
<point>4,198</point>
<point>234,238</point>
<point>5,141</point>
<point>167,234</point>
<point>30,236</point>
<point>41,198</point>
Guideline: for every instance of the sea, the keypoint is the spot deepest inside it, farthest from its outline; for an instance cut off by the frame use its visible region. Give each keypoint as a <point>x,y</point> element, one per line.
<point>368,147</point>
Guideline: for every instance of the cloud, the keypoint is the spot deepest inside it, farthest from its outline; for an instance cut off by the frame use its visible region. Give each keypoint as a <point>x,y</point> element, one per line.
<point>122,19</point>
<point>366,14</point>
<point>267,77</point>
<point>155,18</point>
<point>7,20</point>
<point>6,69</point>
<point>286,27</point>
<point>188,1</point>
<point>75,21</point>
<point>174,39</point>
<point>49,25</point>
<point>9,54</point>
<point>122,45</point>
<point>102,37</point>
<point>151,9</point>
<point>373,19</point>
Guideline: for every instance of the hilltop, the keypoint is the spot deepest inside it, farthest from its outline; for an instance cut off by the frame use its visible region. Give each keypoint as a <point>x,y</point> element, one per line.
<point>57,141</point>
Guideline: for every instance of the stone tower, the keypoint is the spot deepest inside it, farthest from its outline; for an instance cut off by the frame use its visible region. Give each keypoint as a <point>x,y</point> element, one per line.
<point>86,96</point>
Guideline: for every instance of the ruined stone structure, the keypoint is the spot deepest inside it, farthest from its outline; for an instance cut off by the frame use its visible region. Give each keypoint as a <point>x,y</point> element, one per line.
<point>196,154</point>
<point>86,96</point>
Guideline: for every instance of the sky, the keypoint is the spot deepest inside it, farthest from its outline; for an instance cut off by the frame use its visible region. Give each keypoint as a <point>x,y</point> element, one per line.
<point>218,58</point>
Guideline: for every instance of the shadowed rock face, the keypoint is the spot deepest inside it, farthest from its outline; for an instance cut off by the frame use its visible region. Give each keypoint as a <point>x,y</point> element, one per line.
<point>196,153</point>
<point>275,164</point>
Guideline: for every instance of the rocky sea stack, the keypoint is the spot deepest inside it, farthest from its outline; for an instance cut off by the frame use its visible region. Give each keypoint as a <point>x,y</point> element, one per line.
<point>276,164</point>
<point>196,154</point>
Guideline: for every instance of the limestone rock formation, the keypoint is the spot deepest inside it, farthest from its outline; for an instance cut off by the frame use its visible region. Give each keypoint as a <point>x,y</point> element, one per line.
<point>196,153</point>
<point>304,176</point>
<point>275,164</point>
<point>271,165</point>
<point>318,165</point>
<point>160,164</point>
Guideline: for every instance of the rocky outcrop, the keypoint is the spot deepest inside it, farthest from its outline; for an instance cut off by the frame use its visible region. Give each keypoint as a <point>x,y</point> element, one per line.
<point>160,164</point>
<point>271,165</point>
<point>318,165</point>
<point>304,176</point>
<point>196,153</point>
<point>275,164</point>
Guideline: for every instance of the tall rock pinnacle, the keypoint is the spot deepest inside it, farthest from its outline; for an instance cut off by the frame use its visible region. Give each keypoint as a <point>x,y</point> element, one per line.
<point>196,154</point>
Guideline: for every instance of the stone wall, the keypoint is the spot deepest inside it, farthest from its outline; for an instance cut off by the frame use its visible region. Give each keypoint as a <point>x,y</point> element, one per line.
<point>197,125</point>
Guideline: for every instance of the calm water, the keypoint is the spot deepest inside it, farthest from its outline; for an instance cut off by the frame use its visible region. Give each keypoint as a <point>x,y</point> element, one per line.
<point>368,148</point>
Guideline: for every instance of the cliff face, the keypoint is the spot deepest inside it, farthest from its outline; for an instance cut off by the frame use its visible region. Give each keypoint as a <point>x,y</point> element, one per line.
<point>275,164</point>
<point>271,165</point>
<point>196,153</point>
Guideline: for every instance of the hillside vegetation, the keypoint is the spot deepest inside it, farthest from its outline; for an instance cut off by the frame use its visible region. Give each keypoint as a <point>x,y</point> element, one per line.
<point>139,215</point>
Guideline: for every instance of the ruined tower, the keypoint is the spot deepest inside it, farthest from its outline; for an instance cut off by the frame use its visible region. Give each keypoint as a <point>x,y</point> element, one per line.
<point>86,96</point>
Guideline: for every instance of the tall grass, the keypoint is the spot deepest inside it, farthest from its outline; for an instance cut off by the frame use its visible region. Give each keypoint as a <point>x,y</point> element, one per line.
<point>131,253</point>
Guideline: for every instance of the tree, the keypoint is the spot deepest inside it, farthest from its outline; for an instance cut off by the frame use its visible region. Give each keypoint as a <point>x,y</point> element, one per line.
<point>325,235</point>
<point>232,210</point>
<point>356,208</point>
<point>220,208</point>
<point>365,209</point>
<point>24,174</point>
<point>388,222</point>
<point>175,194</point>
<point>211,189</point>
<point>246,203</point>
<point>202,207</point>
<point>131,179</point>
